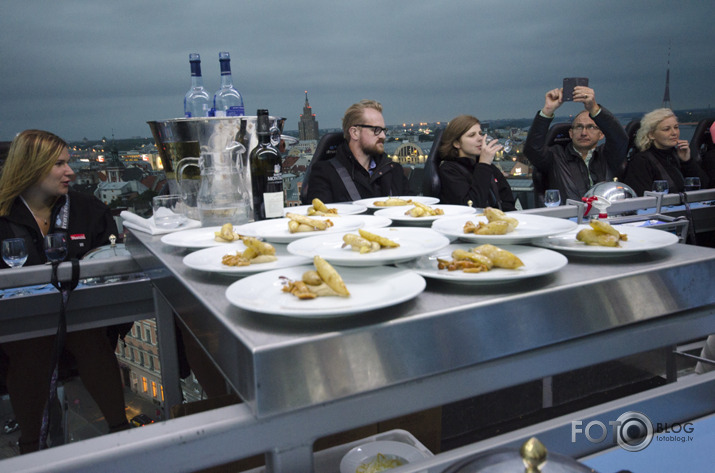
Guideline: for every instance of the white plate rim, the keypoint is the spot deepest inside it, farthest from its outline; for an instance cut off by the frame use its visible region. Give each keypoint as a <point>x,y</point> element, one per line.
<point>340,224</point>
<point>459,211</point>
<point>388,279</point>
<point>308,247</point>
<point>357,455</point>
<point>368,202</point>
<point>495,276</point>
<point>214,254</point>
<point>453,227</point>
<point>663,239</point>
<point>173,239</point>
<point>347,208</point>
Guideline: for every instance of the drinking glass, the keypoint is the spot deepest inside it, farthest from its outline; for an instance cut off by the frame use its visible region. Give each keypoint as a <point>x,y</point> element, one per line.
<point>660,186</point>
<point>55,247</point>
<point>168,211</point>
<point>14,252</point>
<point>692,183</point>
<point>552,198</point>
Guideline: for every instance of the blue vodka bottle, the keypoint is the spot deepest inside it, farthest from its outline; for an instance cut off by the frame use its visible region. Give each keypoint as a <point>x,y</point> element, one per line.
<point>197,102</point>
<point>228,101</point>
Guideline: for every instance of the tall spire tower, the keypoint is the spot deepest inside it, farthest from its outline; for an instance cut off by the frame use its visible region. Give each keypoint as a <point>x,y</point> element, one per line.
<point>307,125</point>
<point>666,96</point>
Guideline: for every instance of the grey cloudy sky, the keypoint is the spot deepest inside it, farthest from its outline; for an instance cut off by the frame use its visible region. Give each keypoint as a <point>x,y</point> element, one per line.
<point>90,69</point>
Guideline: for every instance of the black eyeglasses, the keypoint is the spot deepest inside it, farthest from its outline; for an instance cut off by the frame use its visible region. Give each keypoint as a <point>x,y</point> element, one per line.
<point>375,129</point>
<point>580,128</point>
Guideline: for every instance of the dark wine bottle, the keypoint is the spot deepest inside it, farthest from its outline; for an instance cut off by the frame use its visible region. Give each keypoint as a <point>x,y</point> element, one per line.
<point>266,174</point>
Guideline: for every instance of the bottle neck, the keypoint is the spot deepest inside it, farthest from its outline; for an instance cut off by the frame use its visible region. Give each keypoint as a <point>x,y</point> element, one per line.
<point>196,79</point>
<point>226,79</point>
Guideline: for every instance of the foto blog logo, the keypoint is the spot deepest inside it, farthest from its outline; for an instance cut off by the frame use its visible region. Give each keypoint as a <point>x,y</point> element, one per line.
<point>632,431</point>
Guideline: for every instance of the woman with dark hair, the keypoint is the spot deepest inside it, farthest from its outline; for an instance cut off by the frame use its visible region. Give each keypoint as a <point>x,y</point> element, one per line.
<point>662,155</point>
<point>35,200</point>
<point>467,172</point>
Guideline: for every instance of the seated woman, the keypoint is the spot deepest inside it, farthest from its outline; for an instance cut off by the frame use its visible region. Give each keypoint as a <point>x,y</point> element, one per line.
<point>662,155</point>
<point>35,199</point>
<point>466,172</point>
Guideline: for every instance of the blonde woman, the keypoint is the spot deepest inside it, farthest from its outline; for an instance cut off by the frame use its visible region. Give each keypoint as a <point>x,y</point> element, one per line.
<point>662,155</point>
<point>35,199</point>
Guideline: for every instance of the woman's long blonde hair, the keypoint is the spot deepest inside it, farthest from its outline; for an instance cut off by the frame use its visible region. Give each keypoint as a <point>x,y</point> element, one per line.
<point>29,160</point>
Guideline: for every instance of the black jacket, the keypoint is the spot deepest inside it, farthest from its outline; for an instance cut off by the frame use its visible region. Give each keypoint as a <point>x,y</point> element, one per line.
<point>90,225</point>
<point>388,178</point>
<point>564,167</point>
<point>463,179</point>
<point>655,164</point>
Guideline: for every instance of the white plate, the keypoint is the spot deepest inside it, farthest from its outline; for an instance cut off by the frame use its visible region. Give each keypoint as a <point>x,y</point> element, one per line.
<point>530,228</point>
<point>414,242</point>
<point>373,221</point>
<point>397,214</point>
<point>276,230</point>
<point>370,288</point>
<point>639,239</point>
<point>537,262</point>
<point>343,209</point>
<point>209,260</point>
<point>370,203</point>
<point>195,238</point>
<point>368,451</point>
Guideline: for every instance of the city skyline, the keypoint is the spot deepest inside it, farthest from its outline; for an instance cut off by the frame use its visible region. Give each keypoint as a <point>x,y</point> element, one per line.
<point>83,70</point>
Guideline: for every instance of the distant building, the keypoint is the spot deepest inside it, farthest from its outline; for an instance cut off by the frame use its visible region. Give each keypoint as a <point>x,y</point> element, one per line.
<point>307,126</point>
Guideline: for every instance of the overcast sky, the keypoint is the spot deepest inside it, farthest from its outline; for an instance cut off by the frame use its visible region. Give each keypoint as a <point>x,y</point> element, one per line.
<point>85,68</point>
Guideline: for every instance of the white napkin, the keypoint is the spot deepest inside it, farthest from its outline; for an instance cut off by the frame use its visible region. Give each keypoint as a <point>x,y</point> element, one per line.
<point>146,225</point>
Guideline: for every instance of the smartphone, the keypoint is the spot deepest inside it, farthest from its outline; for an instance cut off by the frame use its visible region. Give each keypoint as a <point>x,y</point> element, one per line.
<point>570,83</point>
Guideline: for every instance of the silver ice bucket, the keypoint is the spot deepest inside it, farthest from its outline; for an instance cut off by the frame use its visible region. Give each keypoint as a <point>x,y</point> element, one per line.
<point>180,138</point>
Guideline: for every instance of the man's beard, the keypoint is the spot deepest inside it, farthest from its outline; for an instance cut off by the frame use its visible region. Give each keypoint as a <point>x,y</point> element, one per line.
<point>372,150</point>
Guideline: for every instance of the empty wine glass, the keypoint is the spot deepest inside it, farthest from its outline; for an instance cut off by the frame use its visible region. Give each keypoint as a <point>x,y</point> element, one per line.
<point>508,146</point>
<point>56,247</point>
<point>692,183</point>
<point>660,186</point>
<point>14,252</point>
<point>552,198</point>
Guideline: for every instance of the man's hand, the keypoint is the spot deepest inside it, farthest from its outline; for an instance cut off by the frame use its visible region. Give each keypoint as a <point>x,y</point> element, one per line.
<point>553,100</point>
<point>587,97</point>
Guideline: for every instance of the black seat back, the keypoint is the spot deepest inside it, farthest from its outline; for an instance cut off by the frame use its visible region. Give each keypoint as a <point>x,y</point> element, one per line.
<point>326,149</point>
<point>430,181</point>
<point>701,141</point>
<point>631,129</point>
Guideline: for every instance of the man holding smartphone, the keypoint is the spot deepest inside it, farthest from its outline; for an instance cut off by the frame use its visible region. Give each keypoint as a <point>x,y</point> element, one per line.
<point>574,167</point>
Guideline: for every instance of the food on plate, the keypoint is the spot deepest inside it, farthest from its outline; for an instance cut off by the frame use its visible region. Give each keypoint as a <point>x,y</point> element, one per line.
<point>324,281</point>
<point>479,259</point>
<point>380,462</point>
<point>320,209</point>
<point>422,210</point>
<point>367,242</point>
<point>499,223</point>
<point>302,223</point>
<point>601,234</point>
<point>392,202</point>
<point>226,234</point>
<point>501,258</point>
<point>256,252</point>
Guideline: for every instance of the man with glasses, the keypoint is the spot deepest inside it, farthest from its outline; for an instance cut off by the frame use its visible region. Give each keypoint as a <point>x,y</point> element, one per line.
<point>574,167</point>
<point>360,168</point>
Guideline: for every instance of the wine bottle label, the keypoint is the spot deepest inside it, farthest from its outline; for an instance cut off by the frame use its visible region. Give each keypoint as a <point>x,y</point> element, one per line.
<point>235,111</point>
<point>273,204</point>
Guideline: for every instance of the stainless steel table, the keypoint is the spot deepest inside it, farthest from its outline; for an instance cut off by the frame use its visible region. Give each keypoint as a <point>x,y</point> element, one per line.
<point>449,343</point>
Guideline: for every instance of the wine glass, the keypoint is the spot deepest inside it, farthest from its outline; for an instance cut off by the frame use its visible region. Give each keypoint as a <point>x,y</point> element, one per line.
<point>55,247</point>
<point>14,252</point>
<point>660,186</point>
<point>692,183</point>
<point>552,198</point>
